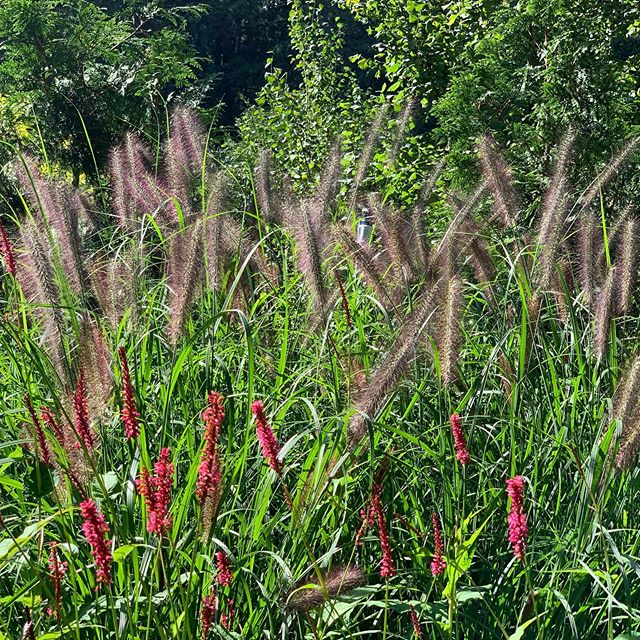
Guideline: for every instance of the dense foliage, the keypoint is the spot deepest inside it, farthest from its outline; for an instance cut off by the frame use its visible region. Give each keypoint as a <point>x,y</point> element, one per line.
<point>320,319</point>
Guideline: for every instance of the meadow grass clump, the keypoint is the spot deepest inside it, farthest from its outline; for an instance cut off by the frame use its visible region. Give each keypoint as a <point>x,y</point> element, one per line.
<point>230,418</point>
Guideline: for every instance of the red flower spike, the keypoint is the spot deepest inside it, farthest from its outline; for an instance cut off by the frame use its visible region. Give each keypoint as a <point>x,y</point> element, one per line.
<point>460,443</point>
<point>517,519</point>
<point>225,575</point>
<point>207,613</point>
<point>156,491</point>
<point>96,530</point>
<point>6,250</point>
<point>415,622</point>
<point>57,572</point>
<point>49,419</point>
<point>43,445</point>
<point>209,473</point>
<point>266,437</point>
<point>130,415</point>
<point>438,564</point>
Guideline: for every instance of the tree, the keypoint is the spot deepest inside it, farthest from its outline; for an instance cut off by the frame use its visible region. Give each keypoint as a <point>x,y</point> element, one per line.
<point>71,71</point>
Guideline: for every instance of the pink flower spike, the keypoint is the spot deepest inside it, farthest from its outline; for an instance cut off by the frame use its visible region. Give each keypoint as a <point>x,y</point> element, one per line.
<point>209,472</point>
<point>96,530</point>
<point>225,575</point>
<point>517,518</point>
<point>459,441</point>
<point>6,251</point>
<point>130,415</point>
<point>156,491</point>
<point>41,440</point>
<point>438,564</point>
<point>207,613</point>
<point>415,622</point>
<point>266,437</point>
<point>57,572</point>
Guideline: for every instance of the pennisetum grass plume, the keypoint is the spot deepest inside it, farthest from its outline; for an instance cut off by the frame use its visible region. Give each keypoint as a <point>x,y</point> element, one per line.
<point>603,314</point>
<point>626,266</point>
<point>499,181</point>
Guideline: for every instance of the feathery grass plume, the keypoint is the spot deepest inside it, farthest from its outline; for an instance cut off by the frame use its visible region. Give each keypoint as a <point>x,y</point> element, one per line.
<point>368,149</point>
<point>614,233</point>
<point>400,130</point>
<point>559,174</point>
<point>114,282</point>
<point>184,261</point>
<point>562,278</point>
<point>447,330</point>
<point>389,227</point>
<point>364,261</point>
<point>53,204</point>
<point>551,233</point>
<point>609,172</point>
<point>324,196</point>
<point>299,218</point>
<point>587,239</point>
<point>419,218</point>
<point>184,155</point>
<point>625,405</point>
<point>307,595</point>
<point>626,265</point>
<point>265,194</point>
<point>134,188</point>
<point>95,361</point>
<point>239,243</point>
<point>37,279</point>
<point>499,181</point>
<point>217,205</point>
<point>481,260</point>
<point>458,237</point>
<point>604,308</point>
<point>393,366</point>
<point>553,204</point>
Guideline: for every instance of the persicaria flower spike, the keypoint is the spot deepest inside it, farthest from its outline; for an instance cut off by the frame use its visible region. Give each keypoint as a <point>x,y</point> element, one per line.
<point>225,575</point>
<point>96,530</point>
<point>156,490</point>
<point>81,412</point>
<point>57,572</point>
<point>459,441</point>
<point>130,415</point>
<point>517,519</point>
<point>226,619</point>
<point>387,566</point>
<point>266,437</point>
<point>207,613</point>
<point>6,250</point>
<point>209,474</point>
<point>415,621</point>
<point>41,440</point>
<point>49,419</point>
<point>438,564</point>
